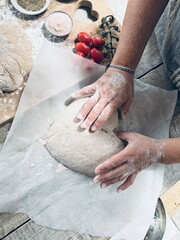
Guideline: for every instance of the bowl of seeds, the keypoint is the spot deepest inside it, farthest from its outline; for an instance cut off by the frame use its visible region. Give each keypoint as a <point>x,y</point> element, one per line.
<point>30,7</point>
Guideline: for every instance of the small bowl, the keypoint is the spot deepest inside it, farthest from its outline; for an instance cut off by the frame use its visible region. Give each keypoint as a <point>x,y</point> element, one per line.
<point>27,12</point>
<point>59,23</point>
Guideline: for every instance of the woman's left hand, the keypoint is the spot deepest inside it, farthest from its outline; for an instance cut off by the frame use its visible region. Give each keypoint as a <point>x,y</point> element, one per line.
<point>140,152</point>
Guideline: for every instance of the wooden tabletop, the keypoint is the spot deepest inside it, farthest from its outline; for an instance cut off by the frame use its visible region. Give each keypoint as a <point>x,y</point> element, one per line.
<point>21,227</point>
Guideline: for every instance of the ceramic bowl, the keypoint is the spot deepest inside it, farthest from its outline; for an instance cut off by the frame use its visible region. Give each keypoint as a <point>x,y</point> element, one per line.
<point>27,12</point>
<point>59,23</point>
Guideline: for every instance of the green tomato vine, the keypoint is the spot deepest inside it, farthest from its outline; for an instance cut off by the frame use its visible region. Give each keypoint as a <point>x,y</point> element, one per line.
<point>108,33</point>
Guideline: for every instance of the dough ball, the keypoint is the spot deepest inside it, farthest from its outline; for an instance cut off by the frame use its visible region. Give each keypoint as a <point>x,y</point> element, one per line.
<point>15,57</point>
<point>82,151</point>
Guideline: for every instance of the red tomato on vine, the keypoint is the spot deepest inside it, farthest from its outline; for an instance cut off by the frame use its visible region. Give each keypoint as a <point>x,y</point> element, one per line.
<point>82,47</point>
<point>84,37</point>
<point>98,42</point>
<point>96,55</point>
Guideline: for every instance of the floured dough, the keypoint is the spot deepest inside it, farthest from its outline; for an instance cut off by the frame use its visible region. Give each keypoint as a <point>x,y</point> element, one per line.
<point>82,151</point>
<point>15,57</point>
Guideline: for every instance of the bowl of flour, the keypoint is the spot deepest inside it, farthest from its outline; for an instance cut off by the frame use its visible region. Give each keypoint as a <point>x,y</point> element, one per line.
<point>59,23</point>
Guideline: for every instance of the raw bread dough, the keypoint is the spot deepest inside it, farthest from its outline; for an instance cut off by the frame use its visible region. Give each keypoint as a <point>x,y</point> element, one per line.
<point>82,151</point>
<point>15,57</point>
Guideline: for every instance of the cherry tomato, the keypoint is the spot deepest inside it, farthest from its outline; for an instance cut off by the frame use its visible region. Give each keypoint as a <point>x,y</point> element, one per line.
<point>82,47</point>
<point>84,37</point>
<point>80,54</point>
<point>98,42</point>
<point>96,55</point>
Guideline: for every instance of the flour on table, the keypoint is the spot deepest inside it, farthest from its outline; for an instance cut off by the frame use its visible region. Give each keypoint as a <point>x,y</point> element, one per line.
<point>82,151</point>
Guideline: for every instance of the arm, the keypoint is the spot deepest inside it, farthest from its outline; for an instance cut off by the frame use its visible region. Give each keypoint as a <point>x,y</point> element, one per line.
<point>140,153</point>
<point>115,87</point>
<point>171,150</point>
<point>139,22</point>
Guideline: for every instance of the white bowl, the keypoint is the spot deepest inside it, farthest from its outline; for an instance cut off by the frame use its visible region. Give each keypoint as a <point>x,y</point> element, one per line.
<point>24,11</point>
<point>59,19</point>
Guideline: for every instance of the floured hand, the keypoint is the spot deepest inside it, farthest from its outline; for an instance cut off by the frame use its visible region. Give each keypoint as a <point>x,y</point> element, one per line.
<point>140,152</point>
<point>112,90</point>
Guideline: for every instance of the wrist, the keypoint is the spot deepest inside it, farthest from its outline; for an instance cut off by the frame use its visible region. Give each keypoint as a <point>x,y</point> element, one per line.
<point>125,63</point>
<point>160,151</point>
<point>126,75</point>
<point>122,68</point>
<point>171,150</point>
<point>125,56</point>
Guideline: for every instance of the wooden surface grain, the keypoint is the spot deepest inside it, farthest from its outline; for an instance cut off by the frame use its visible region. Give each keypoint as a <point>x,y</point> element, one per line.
<point>11,221</point>
<point>20,227</point>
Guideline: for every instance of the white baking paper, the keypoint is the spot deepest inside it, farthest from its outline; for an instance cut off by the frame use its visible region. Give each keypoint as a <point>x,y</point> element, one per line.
<point>31,181</point>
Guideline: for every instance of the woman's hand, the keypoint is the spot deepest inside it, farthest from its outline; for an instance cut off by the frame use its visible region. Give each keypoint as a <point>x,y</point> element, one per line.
<point>112,90</point>
<point>140,152</point>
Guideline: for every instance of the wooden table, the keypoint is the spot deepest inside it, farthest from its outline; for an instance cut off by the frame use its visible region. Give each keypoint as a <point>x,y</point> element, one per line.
<point>21,227</point>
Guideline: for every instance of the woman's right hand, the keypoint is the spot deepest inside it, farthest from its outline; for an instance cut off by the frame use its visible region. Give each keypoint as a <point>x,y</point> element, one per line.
<point>115,88</point>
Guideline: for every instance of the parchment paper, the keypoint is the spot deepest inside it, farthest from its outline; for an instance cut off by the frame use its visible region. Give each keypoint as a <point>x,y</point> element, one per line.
<point>31,181</point>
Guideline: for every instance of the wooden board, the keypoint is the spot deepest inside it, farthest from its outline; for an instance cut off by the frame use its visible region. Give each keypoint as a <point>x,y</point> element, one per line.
<point>11,221</point>
<point>98,10</point>
<point>171,199</point>
<point>19,227</point>
<point>9,102</point>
